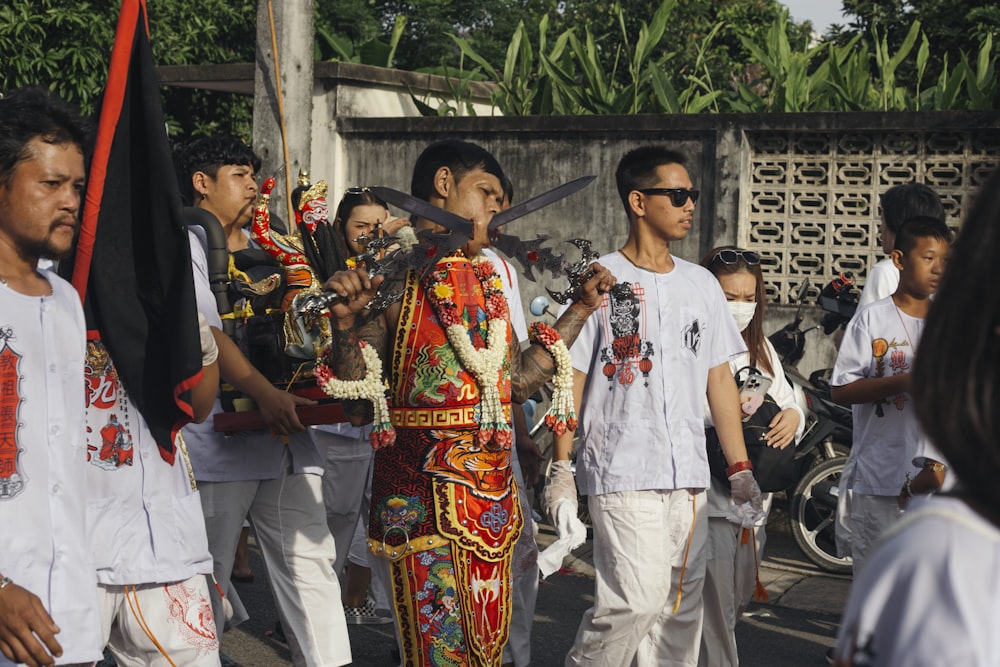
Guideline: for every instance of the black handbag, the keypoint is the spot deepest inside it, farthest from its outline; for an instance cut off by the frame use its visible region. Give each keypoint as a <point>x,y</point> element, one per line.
<point>773,468</point>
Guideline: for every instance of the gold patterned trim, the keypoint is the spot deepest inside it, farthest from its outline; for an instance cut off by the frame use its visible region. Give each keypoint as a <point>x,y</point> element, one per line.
<point>447,417</point>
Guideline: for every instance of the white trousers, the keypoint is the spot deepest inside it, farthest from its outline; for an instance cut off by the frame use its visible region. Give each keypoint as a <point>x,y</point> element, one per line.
<point>289,521</point>
<point>159,624</point>
<point>347,486</point>
<point>524,581</point>
<point>870,516</point>
<point>730,579</point>
<point>642,542</point>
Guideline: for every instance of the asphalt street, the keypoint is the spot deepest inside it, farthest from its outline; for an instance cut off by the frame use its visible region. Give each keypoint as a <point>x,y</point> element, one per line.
<point>795,627</point>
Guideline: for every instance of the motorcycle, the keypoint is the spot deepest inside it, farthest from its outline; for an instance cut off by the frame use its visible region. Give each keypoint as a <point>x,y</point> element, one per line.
<point>822,451</point>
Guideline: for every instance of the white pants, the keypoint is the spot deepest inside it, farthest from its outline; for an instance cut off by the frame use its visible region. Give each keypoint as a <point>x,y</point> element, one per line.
<point>642,540</point>
<point>290,523</point>
<point>870,516</point>
<point>524,581</point>
<point>730,579</point>
<point>159,624</point>
<point>347,486</point>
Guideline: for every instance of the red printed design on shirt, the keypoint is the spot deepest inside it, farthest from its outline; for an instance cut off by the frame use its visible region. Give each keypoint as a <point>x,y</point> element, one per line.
<point>12,479</point>
<point>898,363</point>
<point>109,440</point>
<point>630,350</point>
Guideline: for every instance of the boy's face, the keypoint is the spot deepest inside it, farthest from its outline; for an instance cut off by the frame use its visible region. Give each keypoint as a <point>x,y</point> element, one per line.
<point>920,269</point>
<point>231,195</point>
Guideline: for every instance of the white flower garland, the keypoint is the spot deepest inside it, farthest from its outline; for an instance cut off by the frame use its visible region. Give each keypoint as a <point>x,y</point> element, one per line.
<point>484,365</point>
<point>561,415</point>
<point>371,388</point>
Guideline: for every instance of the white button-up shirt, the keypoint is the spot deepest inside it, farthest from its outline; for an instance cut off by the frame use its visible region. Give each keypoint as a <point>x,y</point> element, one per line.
<point>43,459</point>
<point>647,363</point>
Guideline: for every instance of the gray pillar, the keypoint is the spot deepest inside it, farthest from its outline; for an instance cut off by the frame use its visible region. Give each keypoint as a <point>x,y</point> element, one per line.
<point>293,33</point>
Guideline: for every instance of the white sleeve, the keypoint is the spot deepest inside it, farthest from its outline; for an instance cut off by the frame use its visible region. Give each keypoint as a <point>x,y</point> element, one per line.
<point>854,355</point>
<point>202,288</point>
<point>511,290</point>
<point>584,348</point>
<point>882,281</point>
<point>781,389</point>
<point>726,344</point>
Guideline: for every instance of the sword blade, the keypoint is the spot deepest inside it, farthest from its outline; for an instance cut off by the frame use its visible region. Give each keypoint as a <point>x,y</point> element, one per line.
<point>425,209</point>
<point>540,201</point>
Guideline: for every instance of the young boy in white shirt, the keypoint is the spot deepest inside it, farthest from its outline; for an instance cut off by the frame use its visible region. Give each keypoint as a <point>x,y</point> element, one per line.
<point>899,203</point>
<point>873,375</point>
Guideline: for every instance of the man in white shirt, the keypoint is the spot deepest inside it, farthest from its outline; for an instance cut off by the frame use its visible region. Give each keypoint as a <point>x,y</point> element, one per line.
<point>642,367</point>
<point>48,601</point>
<point>899,203</point>
<point>277,481</point>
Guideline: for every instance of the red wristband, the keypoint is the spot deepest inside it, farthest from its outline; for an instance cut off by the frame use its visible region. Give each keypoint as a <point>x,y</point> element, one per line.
<point>739,466</point>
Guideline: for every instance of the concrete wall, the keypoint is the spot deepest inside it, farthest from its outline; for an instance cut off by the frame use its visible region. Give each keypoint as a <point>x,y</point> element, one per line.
<point>784,184</point>
<point>541,152</point>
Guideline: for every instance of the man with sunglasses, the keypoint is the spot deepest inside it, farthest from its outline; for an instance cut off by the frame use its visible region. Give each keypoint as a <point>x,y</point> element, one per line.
<point>642,366</point>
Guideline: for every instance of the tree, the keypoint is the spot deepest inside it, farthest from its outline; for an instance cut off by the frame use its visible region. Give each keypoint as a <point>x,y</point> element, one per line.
<point>425,44</point>
<point>952,27</point>
<point>66,46</point>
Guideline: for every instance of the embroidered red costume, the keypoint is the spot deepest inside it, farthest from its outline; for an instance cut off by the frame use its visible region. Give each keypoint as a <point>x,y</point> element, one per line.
<point>445,510</point>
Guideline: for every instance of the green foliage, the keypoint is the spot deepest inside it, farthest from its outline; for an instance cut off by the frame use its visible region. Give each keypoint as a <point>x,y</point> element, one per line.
<point>42,42</point>
<point>782,72</point>
<point>334,46</point>
<point>66,46</point>
<point>190,32</point>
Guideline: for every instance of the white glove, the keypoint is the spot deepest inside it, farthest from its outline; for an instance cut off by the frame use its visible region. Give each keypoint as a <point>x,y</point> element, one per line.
<point>747,499</point>
<point>570,533</point>
<point>209,348</point>
<point>560,485</point>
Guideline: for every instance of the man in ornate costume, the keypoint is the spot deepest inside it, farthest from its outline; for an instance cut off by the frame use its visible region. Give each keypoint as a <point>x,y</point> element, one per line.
<point>445,510</point>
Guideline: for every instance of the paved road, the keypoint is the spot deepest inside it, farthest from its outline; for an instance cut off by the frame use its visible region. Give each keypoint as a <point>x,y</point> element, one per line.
<point>795,627</point>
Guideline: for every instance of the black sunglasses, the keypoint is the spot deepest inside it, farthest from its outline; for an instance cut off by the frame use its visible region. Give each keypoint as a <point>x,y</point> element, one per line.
<point>678,196</point>
<point>749,257</point>
<point>357,191</point>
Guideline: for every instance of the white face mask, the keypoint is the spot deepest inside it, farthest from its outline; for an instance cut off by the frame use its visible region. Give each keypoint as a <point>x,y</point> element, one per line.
<point>742,312</point>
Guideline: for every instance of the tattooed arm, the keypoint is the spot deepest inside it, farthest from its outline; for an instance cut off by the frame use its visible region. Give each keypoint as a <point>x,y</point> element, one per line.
<point>533,366</point>
<point>350,328</point>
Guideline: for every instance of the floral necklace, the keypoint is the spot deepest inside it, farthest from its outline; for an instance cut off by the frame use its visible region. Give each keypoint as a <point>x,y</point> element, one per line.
<point>484,364</point>
<point>371,388</point>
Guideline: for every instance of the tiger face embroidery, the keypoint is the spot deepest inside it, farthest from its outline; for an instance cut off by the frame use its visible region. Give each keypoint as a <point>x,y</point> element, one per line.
<point>456,458</point>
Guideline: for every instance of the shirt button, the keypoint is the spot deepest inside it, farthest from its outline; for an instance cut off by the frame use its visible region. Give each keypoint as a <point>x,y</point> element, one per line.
<point>55,489</point>
<point>52,368</point>
<point>55,430</point>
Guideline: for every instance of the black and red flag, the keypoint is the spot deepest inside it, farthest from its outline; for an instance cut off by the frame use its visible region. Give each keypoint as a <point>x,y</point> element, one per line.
<point>132,265</point>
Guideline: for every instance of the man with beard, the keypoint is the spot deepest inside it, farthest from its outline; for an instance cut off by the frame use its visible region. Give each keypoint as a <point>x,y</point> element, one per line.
<point>47,580</point>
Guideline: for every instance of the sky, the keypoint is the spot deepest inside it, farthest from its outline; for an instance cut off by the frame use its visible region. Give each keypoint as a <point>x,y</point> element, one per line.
<point>821,12</point>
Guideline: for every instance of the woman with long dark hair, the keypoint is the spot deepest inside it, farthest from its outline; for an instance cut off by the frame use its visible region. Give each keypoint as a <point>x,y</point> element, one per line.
<point>731,570</point>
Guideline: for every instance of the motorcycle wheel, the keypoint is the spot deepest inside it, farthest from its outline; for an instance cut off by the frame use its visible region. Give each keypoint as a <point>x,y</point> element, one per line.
<point>820,455</point>
<point>813,515</point>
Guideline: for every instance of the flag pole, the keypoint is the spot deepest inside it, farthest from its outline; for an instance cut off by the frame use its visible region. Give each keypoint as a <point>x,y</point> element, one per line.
<point>281,119</point>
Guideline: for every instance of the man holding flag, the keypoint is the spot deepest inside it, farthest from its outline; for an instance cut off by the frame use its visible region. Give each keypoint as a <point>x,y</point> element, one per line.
<point>148,372</point>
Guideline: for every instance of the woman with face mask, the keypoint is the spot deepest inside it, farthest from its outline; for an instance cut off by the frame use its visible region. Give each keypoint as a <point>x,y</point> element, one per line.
<point>733,552</point>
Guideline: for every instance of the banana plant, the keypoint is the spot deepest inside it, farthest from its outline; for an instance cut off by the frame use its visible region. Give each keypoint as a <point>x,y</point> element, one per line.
<point>981,83</point>
<point>792,83</point>
<point>331,46</point>
<point>892,97</point>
